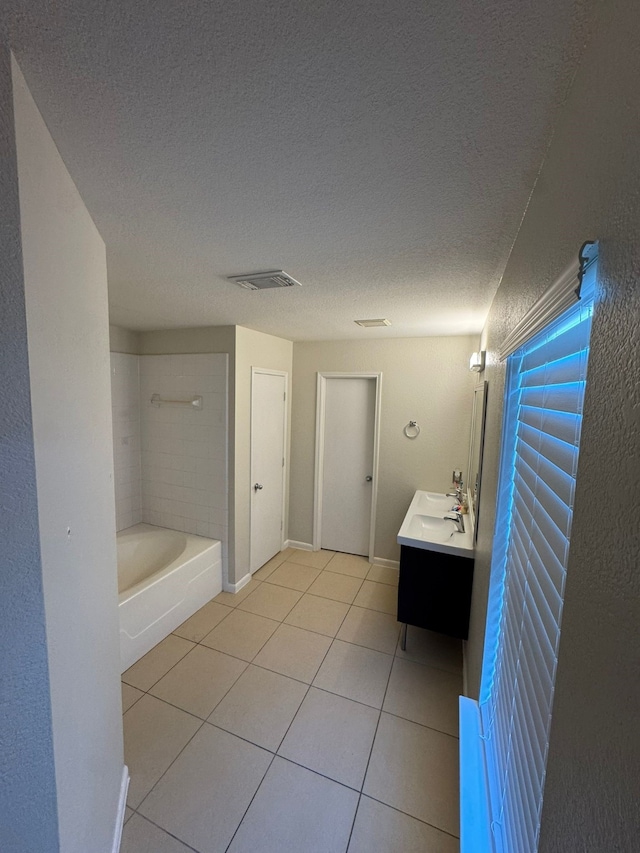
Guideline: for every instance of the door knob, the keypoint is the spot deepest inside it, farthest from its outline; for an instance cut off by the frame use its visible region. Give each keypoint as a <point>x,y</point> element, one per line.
<point>258,486</point>
<point>369,478</point>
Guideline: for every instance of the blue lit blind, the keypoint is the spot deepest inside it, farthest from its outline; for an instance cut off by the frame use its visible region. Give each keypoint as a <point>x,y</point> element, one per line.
<point>546,380</point>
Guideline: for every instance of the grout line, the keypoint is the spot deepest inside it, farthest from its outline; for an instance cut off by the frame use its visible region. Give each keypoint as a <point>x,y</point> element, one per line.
<point>190,739</point>
<point>407,814</point>
<point>317,773</point>
<point>166,831</point>
<point>355,814</point>
<point>170,668</point>
<point>142,801</point>
<point>240,737</point>
<point>279,745</point>
<point>422,725</point>
<point>244,814</point>
<point>332,639</point>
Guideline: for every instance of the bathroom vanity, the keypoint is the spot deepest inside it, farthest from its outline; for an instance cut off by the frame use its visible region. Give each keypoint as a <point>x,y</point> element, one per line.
<point>436,567</point>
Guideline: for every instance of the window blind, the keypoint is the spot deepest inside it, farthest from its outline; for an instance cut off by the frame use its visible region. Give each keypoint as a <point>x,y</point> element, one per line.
<point>544,397</point>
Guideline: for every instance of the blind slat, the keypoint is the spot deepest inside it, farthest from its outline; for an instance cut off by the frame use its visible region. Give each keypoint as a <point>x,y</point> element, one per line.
<point>541,436</point>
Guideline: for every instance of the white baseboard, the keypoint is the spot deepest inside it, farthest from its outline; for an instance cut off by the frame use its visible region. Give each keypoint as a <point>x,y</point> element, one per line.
<point>301,546</point>
<point>236,587</point>
<point>390,564</point>
<point>122,803</point>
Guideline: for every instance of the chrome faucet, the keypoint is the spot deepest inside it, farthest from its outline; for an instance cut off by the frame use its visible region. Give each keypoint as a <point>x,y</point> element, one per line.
<point>458,519</point>
<point>457,495</point>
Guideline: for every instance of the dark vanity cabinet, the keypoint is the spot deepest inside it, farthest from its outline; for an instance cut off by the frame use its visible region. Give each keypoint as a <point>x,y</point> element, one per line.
<point>435,591</point>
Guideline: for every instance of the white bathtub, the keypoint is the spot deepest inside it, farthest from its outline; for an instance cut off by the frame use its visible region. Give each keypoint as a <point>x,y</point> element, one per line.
<point>164,576</point>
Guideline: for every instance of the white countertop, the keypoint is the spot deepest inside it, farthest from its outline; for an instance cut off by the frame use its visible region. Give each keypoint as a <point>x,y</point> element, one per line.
<point>424,526</point>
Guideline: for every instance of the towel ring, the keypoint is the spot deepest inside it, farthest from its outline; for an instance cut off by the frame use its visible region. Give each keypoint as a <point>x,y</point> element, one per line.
<point>412,430</point>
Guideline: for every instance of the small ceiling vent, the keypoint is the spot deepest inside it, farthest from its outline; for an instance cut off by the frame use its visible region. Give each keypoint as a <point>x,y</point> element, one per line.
<point>371,324</point>
<point>264,280</point>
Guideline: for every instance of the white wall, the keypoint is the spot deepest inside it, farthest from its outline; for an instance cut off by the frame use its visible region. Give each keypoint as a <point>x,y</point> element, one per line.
<point>589,188</point>
<point>67,325</point>
<point>424,379</point>
<point>123,340</point>
<point>28,806</point>
<point>125,402</point>
<point>253,349</point>
<point>184,450</point>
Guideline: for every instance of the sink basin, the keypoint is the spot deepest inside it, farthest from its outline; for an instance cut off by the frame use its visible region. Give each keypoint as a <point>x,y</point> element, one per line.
<point>432,503</point>
<point>431,527</point>
<point>424,526</point>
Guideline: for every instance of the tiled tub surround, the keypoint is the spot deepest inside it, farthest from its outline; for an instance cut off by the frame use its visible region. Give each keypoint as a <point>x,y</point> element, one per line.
<point>171,460</point>
<point>286,717</point>
<point>125,400</point>
<point>184,450</point>
<point>164,576</point>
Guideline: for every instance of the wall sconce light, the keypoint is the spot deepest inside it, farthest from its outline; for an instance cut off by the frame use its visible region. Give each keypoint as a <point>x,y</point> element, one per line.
<point>476,362</point>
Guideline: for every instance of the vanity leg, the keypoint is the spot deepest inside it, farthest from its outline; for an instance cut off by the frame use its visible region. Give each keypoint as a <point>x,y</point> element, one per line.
<point>403,637</point>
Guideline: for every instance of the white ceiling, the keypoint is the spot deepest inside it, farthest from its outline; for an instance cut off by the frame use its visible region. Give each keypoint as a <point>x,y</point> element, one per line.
<point>380,152</point>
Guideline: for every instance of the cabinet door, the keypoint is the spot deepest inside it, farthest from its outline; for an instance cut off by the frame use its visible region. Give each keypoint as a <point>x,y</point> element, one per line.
<point>435,591</point>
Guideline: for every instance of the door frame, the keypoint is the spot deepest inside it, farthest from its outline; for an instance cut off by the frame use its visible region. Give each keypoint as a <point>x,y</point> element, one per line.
<point>321,398</point>
<point>269,372</point>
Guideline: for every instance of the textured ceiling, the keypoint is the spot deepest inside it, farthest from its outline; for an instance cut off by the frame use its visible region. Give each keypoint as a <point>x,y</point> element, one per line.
<point>382,153</point>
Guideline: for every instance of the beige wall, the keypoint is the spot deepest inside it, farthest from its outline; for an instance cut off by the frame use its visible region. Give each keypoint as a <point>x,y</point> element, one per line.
<point>589,188</point>
<point>204,339</point>
<point>65,276</point>
<point>124,340</point>
<point>246,349</point>
<point>28,807</point>
<point>424,379</point>
<point>253,349</point>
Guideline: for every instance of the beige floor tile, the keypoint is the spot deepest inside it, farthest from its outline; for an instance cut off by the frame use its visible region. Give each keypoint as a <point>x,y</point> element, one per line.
<point>205,792</point>
<point>370,628</point>
<point>128,813</point>
<point>315,559</point>
<point>199,681</point>
<point>381,829</point>
<point>241,634</point>
<point>129,696</point>
<point>271,601</point>
<point>349,564</point>
<point>296,811</point>
<point>156,663</point>
<point>203,621</point>
<point>294,652</point>
<point>378,596</point>
<point>294,576</point>
<point>271,565</point>
<point>355,672</point>
<point>318,614</point>
<point>154,734</point>
<point>233,599</point>
<point>260,707</point>
<point>433,649</point>
<point>383,574</point>
<point>337,587</point>
<point>141,836</point>
<point>415,769</point>
<point>332,736</point>
<point>424,695</point>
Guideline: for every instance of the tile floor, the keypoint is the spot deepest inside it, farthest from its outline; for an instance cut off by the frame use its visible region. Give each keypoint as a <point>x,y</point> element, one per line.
<point>287,718</point>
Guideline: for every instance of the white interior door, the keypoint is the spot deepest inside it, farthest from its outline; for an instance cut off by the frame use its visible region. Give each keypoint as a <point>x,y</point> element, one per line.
<point>268,426</point>
<point>348,464</point>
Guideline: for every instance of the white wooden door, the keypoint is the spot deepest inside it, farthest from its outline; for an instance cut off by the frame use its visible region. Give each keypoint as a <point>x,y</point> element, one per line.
<point>268,425</point>
<point>348,464</point>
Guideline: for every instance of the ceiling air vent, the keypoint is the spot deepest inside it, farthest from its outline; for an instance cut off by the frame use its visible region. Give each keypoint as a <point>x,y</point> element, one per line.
<point>370,324</point>
<point>264,280</point>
